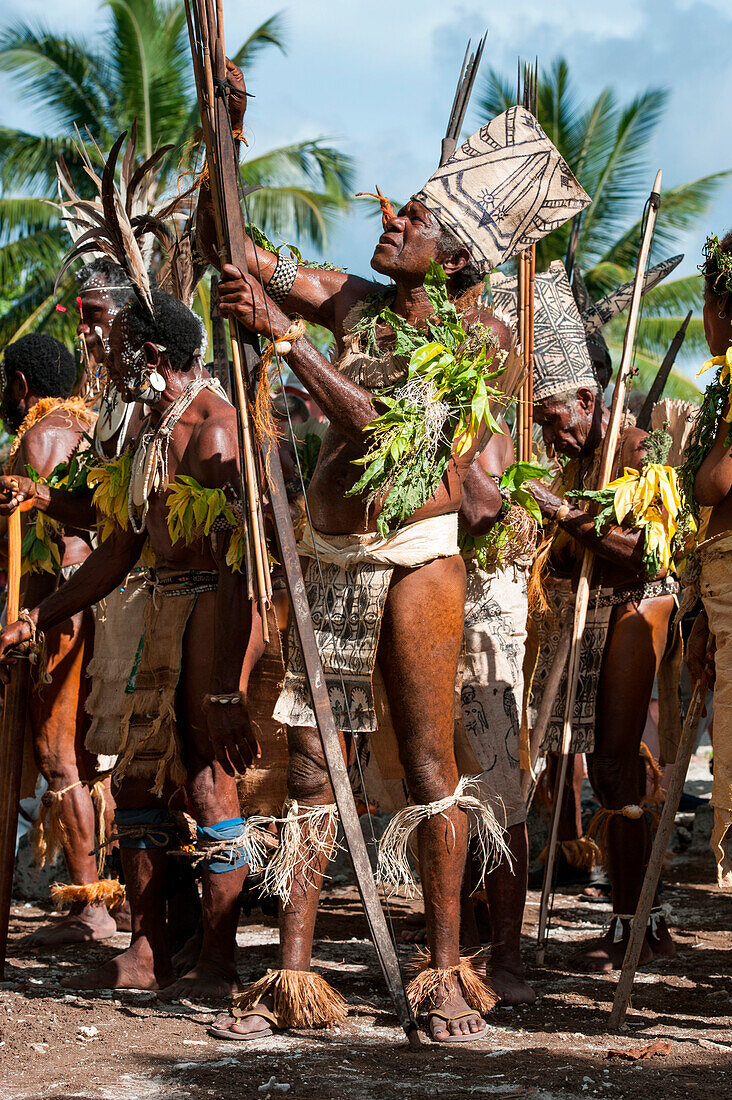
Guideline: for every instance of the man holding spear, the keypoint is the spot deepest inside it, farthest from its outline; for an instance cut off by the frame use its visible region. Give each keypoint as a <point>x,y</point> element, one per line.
<point>628,614</point>
<point>387,546</point>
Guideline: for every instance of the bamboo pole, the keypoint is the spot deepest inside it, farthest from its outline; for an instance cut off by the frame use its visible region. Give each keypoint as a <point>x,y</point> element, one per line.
<point>655,863</point>
<point>607,461</point>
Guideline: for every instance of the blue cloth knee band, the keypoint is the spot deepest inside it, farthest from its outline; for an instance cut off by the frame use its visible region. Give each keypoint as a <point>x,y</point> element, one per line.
<point>230,859</point>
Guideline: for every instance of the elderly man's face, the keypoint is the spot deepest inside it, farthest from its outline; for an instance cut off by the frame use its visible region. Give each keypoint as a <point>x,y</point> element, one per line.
<point>566,425</point>
<point>408,243</point>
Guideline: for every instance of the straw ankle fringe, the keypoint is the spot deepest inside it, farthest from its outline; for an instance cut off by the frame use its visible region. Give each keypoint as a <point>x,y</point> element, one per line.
<point>300,999</point>
<point>107,890</point>
<point>393,868</point>
<point>307,839</point>
<point>432,985</point>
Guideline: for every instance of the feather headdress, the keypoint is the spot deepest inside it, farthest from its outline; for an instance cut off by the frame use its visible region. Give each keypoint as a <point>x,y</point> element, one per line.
<point>121,222</point>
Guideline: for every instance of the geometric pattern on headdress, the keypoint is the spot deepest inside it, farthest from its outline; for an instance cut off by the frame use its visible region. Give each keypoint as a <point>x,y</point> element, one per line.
<point>561,359</point>
<point>503,189</point>
<point>598,314</point>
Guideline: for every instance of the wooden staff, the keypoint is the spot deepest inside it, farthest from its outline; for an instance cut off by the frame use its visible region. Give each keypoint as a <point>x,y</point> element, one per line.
<point>204,37</point>
<point>11,743</point>
<point>607,461</point>
<point>660,844</point>
<point>224,172</point>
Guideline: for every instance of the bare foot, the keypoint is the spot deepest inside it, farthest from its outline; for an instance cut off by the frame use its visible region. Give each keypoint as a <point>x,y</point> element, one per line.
<point>91,923</point>
<point>205,983</point>
<point>509,985</point>
<point>607,954</point>
<point>454,1004</point>
<point>250,1025</point>
<point>122,916</point>
<point>189,954</point>
<point>658,936</point>
<point>134,968</point>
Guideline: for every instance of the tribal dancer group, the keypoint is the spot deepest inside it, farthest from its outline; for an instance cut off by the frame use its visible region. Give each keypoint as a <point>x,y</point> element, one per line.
<point>170,714</point>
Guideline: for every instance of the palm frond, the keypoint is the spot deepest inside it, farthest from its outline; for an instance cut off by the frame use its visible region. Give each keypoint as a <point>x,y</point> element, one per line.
<point>681,208</point>
<point>58,74</point>
<point>270,33</point>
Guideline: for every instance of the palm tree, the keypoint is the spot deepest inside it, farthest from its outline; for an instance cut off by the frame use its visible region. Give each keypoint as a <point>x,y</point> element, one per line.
<point>140,70</point>
<point>605,143</point>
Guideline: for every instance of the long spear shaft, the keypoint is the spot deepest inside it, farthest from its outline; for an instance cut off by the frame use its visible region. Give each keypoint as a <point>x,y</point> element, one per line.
<point>11,744</point>
<point>658,853</point>
<point>246,358</point>
<point>659,382</point>
<point>607,460</point>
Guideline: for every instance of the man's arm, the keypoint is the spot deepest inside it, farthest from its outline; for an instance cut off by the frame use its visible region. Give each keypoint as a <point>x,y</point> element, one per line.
<point>102,571</point>
<point>348,406</point>
<point>482,500</point>
<point>70,509</point>
<point>618,545</point>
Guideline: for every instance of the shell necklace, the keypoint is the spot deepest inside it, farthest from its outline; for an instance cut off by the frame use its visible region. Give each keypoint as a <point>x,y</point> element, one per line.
<point>150,463</point>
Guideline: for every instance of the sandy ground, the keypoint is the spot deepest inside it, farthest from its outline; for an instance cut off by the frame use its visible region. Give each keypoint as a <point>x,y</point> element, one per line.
<point>132,1046</point>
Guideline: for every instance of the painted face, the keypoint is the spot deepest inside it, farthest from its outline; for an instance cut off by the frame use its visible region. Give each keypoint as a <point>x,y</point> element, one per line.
<point>120,361</point>
<point>565,427</point>
<point>98,311</point>
<point>408,243</point>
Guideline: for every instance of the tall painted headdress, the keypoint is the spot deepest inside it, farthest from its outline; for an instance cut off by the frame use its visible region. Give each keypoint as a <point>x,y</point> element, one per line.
<point>561,359</point>
<point>567,323</point>
<point>504,188</point>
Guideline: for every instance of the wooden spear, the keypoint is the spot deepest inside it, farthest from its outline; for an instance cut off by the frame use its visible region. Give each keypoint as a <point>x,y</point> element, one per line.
<point>11,743</point>
<point>607,462</point>
<point>232,245</point>
<point>660,844</point>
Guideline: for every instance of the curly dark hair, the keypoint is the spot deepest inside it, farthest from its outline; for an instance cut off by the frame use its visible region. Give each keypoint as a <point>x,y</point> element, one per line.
<point>108,273</point>
<point>174,327</point>
<point>469,275</point>
<point>48,366</point>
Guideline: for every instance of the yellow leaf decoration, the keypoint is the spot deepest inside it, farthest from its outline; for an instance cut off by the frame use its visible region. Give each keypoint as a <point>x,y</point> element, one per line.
<point>193,510</point>
<point>111,484</point>
<point>651,497</point>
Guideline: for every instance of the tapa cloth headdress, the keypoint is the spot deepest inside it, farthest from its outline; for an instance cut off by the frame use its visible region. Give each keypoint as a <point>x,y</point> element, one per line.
<point>503,188</point>
<point>561,359</point>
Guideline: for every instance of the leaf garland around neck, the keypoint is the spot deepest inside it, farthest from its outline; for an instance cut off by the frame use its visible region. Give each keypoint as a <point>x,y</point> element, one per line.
<point>441,325</point>
<point>445,398</point>
<point>704,431</point>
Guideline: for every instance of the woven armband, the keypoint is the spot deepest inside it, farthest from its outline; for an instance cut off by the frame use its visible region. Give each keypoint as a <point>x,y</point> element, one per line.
<point>283,276</point>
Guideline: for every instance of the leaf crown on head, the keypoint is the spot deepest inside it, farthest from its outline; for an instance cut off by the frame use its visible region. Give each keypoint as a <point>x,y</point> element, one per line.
<point>717,265</point>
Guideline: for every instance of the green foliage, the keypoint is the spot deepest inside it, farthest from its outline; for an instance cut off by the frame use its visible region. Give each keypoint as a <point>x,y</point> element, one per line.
<point>139,69</point>
<point>445,402</point>
<point>489,548</point>
<point>605,143</point>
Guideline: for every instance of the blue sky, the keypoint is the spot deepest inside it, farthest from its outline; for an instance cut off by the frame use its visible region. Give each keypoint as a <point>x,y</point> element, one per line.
<point>379,78</point>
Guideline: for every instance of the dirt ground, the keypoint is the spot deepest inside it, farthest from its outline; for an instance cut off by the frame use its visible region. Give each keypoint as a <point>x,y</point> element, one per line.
<point>132,1046</point>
